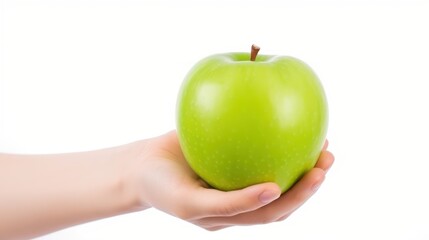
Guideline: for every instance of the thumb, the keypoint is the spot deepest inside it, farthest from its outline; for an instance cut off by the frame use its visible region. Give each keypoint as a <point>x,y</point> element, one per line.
<point>219,203</point>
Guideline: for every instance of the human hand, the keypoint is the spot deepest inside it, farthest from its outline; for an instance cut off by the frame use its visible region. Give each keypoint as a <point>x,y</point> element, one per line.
<point>166,182</point>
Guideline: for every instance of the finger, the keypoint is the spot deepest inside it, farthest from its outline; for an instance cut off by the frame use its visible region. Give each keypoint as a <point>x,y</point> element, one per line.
<point>284,206</point>
<point>326,159</point>
<point>301,200</point>
<point>302,190</point>
<point>217,203</point>
<point>325,145</point>
<point>297,195</point>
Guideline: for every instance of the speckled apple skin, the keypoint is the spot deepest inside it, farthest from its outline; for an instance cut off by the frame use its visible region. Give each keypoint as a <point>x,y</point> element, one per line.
<point>243,122</point>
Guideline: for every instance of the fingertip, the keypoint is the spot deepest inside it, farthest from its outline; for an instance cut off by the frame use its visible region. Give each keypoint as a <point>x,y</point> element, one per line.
<point>270,186</point>
<point>330,159</point>
<point>268,196</point>
<point>331,156</point>
<point>318,178</point>
<point>230,203</point>
<point>304,188</point>
<point>315,174</point>
<point>326,160</point>
<point>261,187</point>
<point>270,192</point>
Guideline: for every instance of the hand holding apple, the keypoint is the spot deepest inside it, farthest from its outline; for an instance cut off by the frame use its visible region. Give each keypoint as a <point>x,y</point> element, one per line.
<point>244,120</point>
<point>166,182</point>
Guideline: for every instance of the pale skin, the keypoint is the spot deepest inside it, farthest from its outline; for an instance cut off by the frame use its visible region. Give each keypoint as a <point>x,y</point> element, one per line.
<point>40,194</point>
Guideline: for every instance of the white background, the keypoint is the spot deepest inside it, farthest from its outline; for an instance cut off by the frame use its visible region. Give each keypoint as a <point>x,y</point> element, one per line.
<point>80,75</point>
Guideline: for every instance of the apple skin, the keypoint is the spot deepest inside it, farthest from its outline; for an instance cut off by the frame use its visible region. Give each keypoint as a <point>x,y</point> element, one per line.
<point>243,122</point>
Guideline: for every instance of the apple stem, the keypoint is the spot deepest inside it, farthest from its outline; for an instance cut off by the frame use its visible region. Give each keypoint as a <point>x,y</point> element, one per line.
<point>254,52</point>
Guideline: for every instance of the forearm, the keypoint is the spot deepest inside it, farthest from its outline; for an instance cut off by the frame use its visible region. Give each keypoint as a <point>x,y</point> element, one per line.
<point>45,193</point>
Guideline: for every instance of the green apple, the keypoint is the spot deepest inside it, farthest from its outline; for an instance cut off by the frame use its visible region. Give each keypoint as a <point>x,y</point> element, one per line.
<point>244,119</point>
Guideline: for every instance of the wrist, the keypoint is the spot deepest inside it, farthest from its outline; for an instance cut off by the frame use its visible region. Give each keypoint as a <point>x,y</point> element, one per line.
<point>129,170</point>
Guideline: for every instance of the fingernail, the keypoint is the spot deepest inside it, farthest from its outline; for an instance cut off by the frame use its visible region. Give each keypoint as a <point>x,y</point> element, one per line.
<point>268,196</point>
<point>316,186</point>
